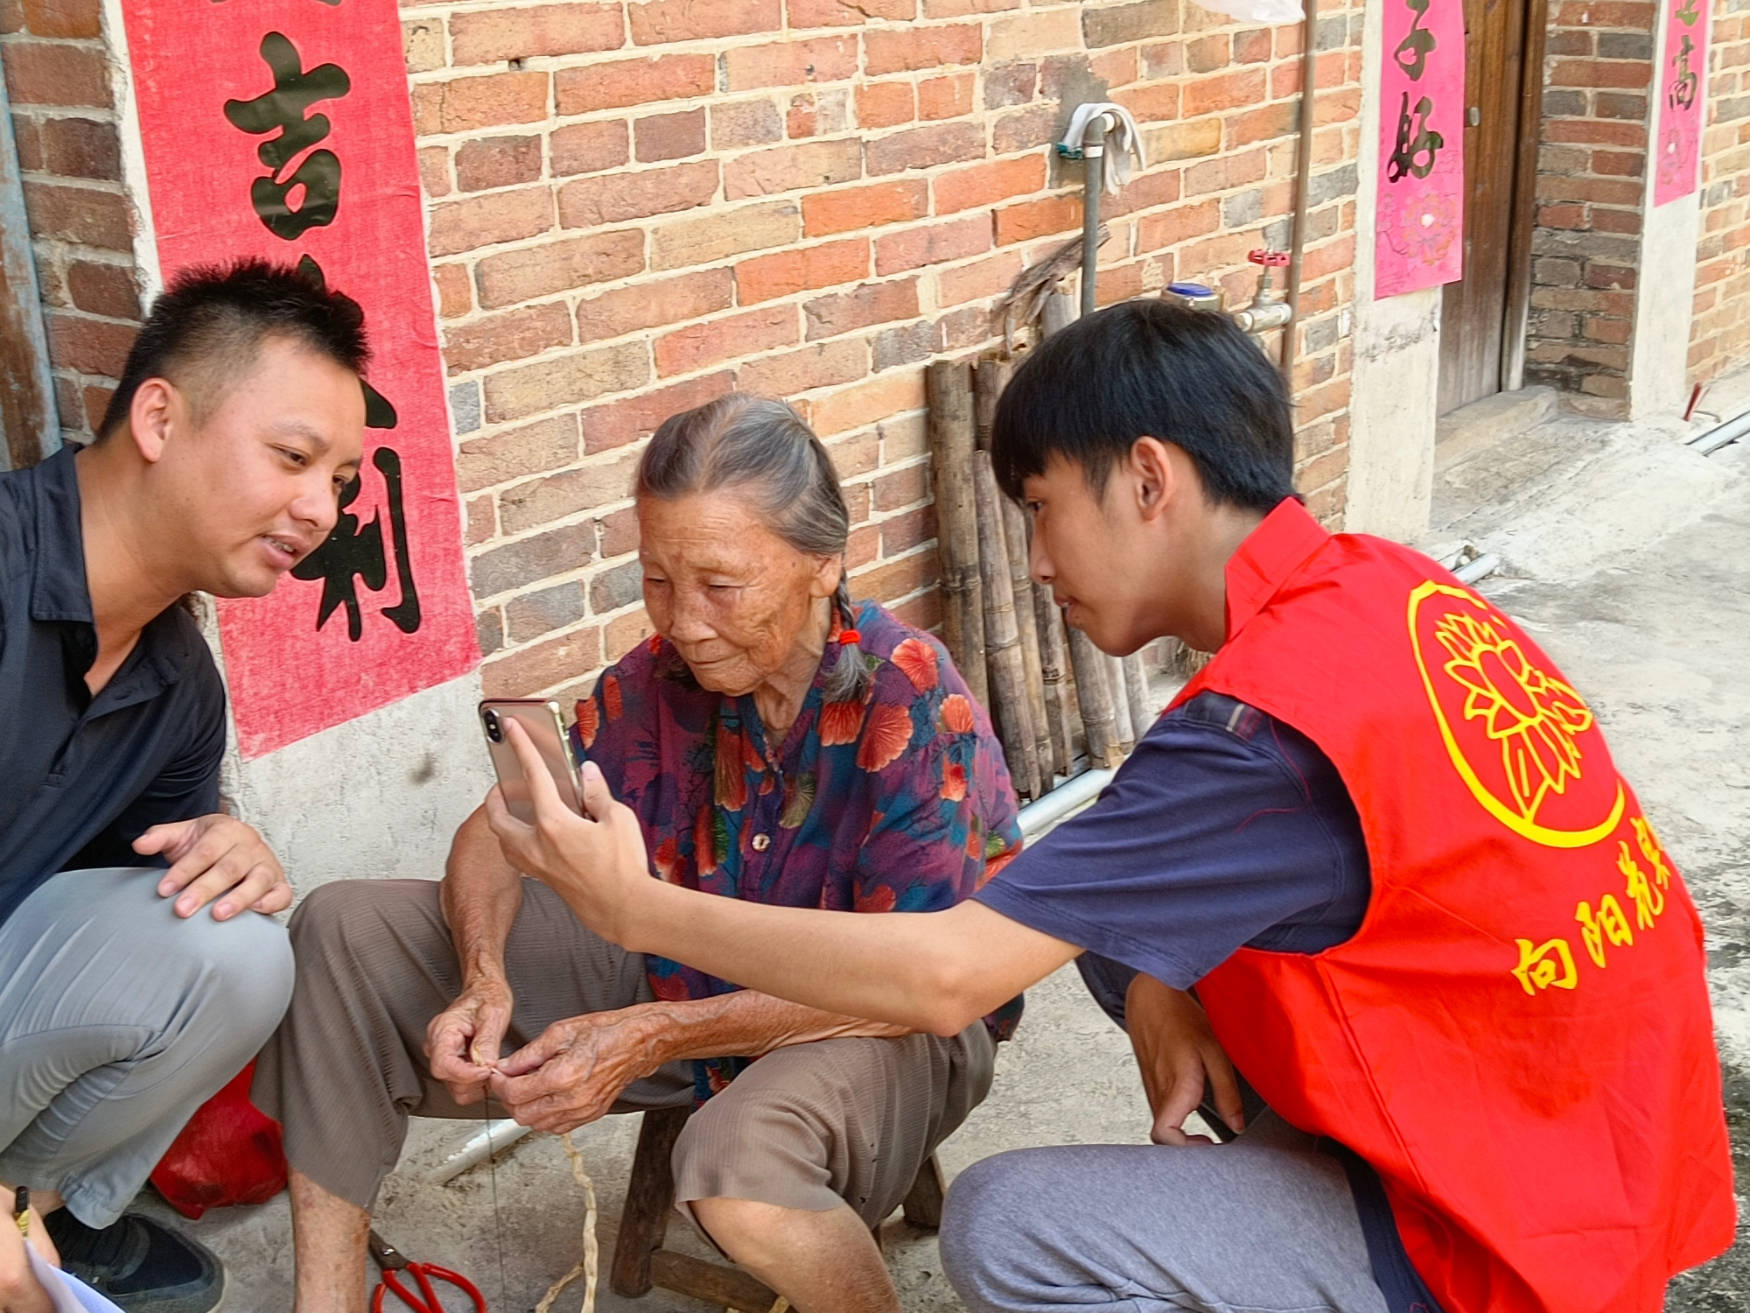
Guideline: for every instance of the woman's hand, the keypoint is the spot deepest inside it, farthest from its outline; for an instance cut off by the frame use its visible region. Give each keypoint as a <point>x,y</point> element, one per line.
<point>1175,1051</point>
<point>596,862</point>
<point>571,1073</point>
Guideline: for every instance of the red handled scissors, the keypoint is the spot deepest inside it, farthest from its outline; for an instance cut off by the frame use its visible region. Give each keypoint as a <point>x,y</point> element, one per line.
<point>425,1299</point>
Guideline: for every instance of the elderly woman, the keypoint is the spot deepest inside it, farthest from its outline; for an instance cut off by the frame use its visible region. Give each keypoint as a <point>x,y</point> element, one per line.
<point>778,744</point>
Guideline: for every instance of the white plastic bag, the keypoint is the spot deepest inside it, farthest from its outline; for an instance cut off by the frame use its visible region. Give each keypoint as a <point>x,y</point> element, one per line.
<point>1262,12</point>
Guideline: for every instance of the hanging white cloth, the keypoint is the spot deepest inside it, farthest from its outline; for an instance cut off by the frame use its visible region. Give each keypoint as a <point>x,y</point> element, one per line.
<point>1263,12</point>
<point>1123,142</point>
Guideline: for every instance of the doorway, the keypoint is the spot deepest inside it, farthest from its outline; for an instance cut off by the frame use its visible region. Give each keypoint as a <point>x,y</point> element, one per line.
<point>1482,319</point>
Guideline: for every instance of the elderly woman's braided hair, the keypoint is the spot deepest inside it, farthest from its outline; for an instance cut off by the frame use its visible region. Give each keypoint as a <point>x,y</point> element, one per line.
<point>765,451</point>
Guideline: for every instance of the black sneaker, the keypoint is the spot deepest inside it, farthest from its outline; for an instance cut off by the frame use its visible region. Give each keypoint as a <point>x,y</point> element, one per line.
<point>140,1264</point>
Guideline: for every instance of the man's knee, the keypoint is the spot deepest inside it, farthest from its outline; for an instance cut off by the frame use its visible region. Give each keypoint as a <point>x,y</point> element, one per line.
<point>985,1231</point>
<point>243,969</point>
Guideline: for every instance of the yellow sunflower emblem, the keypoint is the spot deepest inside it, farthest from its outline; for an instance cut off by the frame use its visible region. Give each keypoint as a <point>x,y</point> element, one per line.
<point>1533,717</point>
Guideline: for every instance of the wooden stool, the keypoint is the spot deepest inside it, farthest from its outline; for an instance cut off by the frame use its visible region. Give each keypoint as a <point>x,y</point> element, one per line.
<point>641,1262</point>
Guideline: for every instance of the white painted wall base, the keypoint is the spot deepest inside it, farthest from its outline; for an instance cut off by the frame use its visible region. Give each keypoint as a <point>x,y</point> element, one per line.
<point>1397,360</point>
<point>378,796</point>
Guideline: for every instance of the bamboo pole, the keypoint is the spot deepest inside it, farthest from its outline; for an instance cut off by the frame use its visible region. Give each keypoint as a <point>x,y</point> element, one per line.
<point>1142,714</point>
<point>949,393</point>
<point>1120,705</point>
<point>989,380</point>
<point>1002,635</point>
<point>1060,709</point>
<point>1095,697</point>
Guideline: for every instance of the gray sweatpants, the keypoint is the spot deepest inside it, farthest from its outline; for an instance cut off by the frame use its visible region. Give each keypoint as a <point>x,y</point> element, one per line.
<point>1266,1224</point>
<point>117,1020</point>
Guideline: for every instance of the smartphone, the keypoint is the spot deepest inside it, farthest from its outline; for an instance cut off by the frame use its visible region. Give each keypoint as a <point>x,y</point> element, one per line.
<point>540,721</point>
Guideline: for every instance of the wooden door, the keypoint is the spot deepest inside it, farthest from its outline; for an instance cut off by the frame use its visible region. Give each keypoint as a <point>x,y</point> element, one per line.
<point>1483,316</point>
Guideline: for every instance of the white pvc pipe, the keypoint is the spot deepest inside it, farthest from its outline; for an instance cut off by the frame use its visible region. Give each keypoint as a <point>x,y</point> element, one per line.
<point>1721,434</point>
<point>1478,567</point>
<point>480,1146</point>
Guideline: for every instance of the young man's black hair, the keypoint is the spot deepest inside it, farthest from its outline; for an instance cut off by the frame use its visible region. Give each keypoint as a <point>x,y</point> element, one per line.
<point>204,330</point>
<point>1150,368</point>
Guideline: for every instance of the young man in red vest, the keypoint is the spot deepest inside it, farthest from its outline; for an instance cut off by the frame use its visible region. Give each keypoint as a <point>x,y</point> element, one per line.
<point>1379,834</point>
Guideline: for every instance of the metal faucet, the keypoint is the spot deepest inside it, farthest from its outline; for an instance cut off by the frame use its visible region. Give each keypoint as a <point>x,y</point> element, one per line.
<point>1269,308</point>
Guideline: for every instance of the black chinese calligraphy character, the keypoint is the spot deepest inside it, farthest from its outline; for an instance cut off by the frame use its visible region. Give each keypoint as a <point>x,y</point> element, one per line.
<point>1688,14</point>
<point>1412,52</point>
<point>1417,144</point>
<point>287,109</point>
<point>354,553</point>
<point>1684,89</point>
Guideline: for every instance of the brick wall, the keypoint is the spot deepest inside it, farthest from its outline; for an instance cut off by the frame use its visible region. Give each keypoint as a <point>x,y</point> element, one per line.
<point>1719,339</point>
<point>635,207</point>
<point>1591,168</point>
<point>81,220</point>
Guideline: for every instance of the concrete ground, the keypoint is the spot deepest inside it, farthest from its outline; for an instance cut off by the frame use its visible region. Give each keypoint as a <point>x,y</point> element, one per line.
<point>1625,554</point>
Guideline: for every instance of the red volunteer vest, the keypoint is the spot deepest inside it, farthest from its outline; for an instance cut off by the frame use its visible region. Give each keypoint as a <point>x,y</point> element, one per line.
<point>1518,1038</point>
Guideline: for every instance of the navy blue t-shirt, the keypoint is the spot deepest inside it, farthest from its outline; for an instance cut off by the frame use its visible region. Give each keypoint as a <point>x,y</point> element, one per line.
<point>1224,829</point>
<point>82,777</point>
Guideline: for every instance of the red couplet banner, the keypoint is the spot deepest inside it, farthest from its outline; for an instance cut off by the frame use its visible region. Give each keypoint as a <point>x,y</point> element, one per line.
<point>283,129</point>
<point>1420,223</point>
<point>1682,91</point>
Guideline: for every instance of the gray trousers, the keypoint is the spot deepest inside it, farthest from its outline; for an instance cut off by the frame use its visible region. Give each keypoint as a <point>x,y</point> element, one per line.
<point>117,1020</point>
<point>1266,1224</point>
<point>806,1127</point>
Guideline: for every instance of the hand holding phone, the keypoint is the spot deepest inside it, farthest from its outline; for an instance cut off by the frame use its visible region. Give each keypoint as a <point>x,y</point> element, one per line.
<point>540,721</point>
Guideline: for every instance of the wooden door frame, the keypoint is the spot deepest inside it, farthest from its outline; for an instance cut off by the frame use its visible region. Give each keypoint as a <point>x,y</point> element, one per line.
<point>1523,221</point>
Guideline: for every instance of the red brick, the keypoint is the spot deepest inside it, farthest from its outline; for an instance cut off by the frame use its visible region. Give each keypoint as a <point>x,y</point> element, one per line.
<point>633,82</point>
<point>1264,124</point>
<point>719,235</point>
<point>473,103</point>
<point>545,610</point>
<point>1205,54</point>
<point>1227,172</point>
<point>885,104</point>
<point>1252,47</point>
<point>745,123</point>
<point>1211,95</point>
<point>789,168</point>
<point>983,184</point>
<point>89,346</point>
<point>422,44</point>
<point>79,214</point>
<point>966,8</point>
<point>497,162</point>
<point>512,335</point>
<point>848,13</point>
<point>614,424</point>
<point>519,453</point>
<point>1040,218</point>
<point>661,303</point>
<point>657,22</point>
<point>72,19</point>
<point>905,49</point>
<point>940,243</point>
<point>103,289</point>
<point>1146,192</point>
<point>38,73</point>
<point>791,63</point>
<point>924,148</point>
<point>823,364</point>
<point>455,292</point>
<point>96,401</point>
<point>560,266</point>
<point>669,136</point>
<point>618,197</point>
<point>1154,102</point>
<point>479,221</point>
<point>873,303</point>
<point>897,578</point>
<point>1618,164</point>
<point>975,282</point>
<point>1561,216</point>
<point>590,147</point>
<point>81,148</point>
<point>1183,141</point>
<point>561,29</point>
<point>839,211</point>
<point>785,273</point>
<point>562,495</point>
<point>1629,74</point>
<point>565,380</point>
<point>1159,232</point>
<point>1606,191</point>
<point>542,666</point>
<point>945,97</point>
<point>434,171</point>
<point>698,346</point>
<point>892,393</point>
<point>1634,15</point>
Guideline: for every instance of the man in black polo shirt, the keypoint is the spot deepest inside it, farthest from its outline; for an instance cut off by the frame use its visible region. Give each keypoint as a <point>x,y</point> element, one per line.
<point>137,974</point>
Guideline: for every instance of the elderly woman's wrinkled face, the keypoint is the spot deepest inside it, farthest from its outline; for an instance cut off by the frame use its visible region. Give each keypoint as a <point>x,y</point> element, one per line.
<point>733,597</point>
